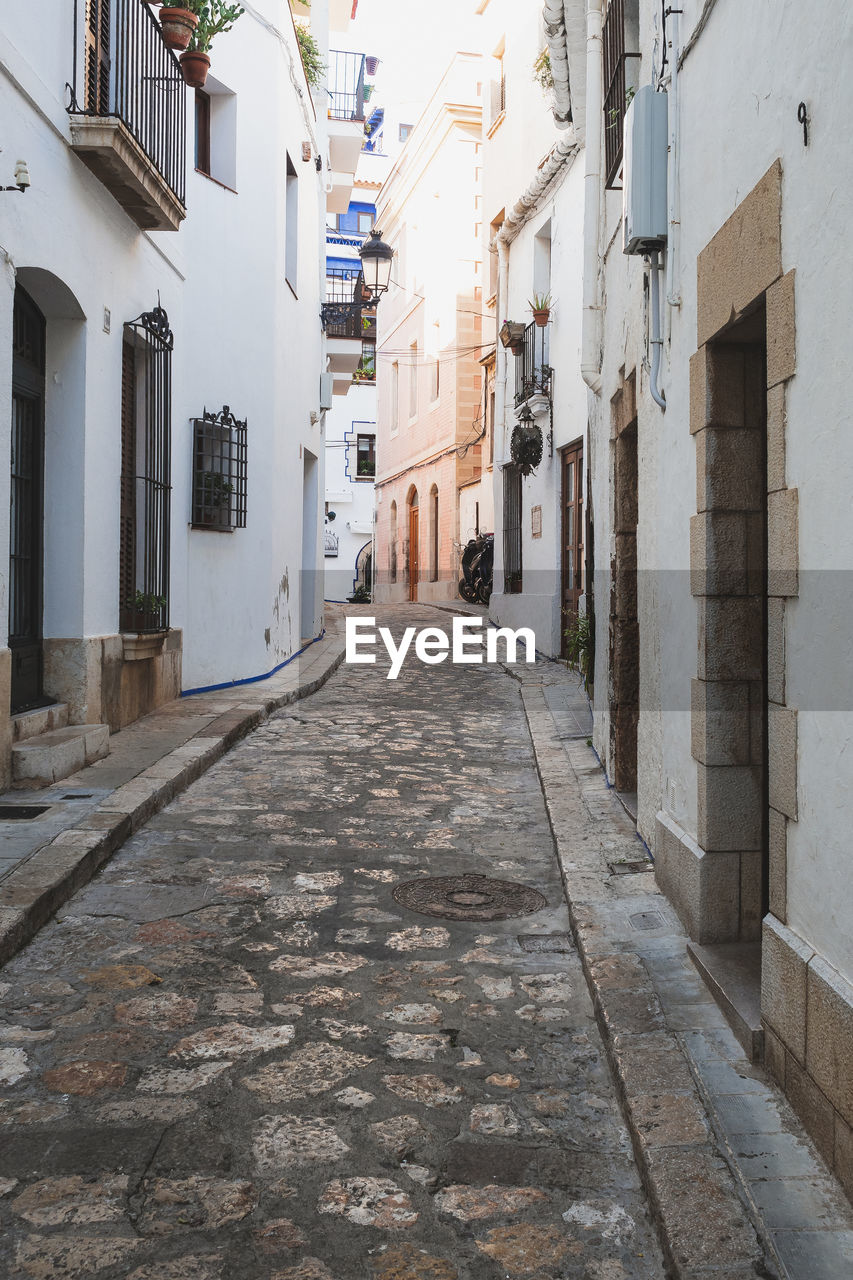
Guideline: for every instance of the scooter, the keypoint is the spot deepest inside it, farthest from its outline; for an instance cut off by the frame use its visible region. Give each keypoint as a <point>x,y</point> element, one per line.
<point>483,569</point>
<point>467,583</point>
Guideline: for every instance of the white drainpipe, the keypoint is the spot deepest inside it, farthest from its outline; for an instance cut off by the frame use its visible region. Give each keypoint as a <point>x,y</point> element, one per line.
<point>673,294</point>
<point>591,331</point>
<point>502,361</point>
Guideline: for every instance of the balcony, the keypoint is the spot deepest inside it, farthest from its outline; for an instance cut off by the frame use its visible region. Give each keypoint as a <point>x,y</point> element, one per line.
<point>128,113</point>
<point>346,123</point>
<point>532,371</point>
<point>342,321</point>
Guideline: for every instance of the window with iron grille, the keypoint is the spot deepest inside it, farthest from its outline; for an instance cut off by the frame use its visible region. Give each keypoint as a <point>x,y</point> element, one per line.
<point>512,530</point>
<point>620,37</point>
<point>146,469</point>
<point>365,457</point>
<point>219,471</point>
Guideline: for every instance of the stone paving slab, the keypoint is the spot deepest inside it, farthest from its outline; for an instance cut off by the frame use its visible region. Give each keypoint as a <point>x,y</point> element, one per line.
<point>236,1055</point>
<point>150,762</point>
<point>738,1187</point>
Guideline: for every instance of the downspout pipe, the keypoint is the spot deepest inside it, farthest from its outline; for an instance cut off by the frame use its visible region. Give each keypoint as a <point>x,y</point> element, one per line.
<point>591,323</point>
<point>502,362</point>
<point>656,339</point>
<point>673,294</point>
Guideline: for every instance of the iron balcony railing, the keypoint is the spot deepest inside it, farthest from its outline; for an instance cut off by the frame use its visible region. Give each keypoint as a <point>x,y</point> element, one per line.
<point>532,371</point>
<point>342,311</point>
<point>129,73</point>
<point>346,85</point>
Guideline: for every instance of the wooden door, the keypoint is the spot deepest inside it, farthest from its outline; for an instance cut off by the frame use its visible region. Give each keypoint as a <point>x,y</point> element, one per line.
<point>26,571</point>
<point>413,553</point>
<point>572,531</point>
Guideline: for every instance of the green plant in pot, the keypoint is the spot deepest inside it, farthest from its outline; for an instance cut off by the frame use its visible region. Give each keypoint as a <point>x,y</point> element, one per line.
<point>215,17</point>
<point>540,305</point>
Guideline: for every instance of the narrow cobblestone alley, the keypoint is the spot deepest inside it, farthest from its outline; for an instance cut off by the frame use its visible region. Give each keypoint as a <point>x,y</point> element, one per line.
<point>235,1056</point>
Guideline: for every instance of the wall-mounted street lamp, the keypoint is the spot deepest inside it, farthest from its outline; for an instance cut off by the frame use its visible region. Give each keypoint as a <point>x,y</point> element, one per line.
<point>22,177</point>
<point>376,257</point>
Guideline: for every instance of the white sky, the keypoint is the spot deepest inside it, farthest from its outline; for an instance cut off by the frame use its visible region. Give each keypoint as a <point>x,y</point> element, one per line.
<point>415,40</point>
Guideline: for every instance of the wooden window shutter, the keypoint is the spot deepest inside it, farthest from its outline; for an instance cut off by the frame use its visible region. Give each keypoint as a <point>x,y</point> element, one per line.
<point>127,517</point>
<point>98,57</point>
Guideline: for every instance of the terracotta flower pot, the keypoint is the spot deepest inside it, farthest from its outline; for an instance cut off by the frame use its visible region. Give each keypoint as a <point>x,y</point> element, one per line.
<point>541,318</point>
<point>177,26</point>
<point>195,66</point>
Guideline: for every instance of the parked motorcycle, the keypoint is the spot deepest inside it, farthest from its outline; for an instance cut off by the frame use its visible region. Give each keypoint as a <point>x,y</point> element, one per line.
<point>477,559</point>
<point>484,568</point>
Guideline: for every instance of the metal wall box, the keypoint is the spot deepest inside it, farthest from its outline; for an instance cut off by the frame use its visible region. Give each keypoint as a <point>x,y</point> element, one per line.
<point>644,172</point>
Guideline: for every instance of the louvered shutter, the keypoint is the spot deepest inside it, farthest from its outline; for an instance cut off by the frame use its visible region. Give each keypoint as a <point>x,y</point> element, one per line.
<point>98,57</point>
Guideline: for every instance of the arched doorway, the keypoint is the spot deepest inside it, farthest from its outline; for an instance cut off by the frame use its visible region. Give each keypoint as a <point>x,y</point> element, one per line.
<point>414,544</point>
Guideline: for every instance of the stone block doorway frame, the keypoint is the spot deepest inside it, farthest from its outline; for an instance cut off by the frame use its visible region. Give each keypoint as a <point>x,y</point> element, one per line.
<point>744,563</point>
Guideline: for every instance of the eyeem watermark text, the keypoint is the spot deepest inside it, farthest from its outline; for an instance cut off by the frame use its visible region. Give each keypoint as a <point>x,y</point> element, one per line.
<point>433,645</point>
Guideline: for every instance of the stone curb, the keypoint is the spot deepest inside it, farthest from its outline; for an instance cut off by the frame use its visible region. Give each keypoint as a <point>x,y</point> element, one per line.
<point>38,888</point>
<point>703,1225</point>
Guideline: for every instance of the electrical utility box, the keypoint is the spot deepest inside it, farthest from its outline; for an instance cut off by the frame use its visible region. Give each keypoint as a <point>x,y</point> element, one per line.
<point>644,165</point>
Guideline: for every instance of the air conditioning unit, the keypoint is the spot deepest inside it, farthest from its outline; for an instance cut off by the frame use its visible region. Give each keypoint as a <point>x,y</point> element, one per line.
<point>327,383</point>
<point>644,164</point>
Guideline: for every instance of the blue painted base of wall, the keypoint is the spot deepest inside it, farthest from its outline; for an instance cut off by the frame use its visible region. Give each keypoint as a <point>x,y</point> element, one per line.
<point>233,684</point>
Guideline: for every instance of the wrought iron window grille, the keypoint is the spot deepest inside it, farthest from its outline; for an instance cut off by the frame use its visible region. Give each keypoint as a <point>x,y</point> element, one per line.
<point>512,529</point>
<point>532,372</point>
<point>616,97</point>
<point>129,73</point>
<point>219,471</point>
<point>146,462</point>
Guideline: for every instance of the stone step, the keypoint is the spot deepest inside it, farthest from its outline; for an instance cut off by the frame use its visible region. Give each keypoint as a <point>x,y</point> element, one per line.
<point>732,973</point>
<point>29,724</point>
<point>52,756</point>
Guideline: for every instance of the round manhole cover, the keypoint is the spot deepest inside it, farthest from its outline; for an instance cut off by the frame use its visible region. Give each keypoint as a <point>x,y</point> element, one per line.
<point>469,898</point>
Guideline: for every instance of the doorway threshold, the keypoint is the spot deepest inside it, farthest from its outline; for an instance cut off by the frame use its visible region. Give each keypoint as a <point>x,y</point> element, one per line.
<point>628,801</point>
<point>732,973</point>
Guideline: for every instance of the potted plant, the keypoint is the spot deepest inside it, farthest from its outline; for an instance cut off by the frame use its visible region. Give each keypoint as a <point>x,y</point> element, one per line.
<point>214,17</point>
<point>139,641</point>
<point>371,65</point>
<point>177,24</point>
<point>540,305</point>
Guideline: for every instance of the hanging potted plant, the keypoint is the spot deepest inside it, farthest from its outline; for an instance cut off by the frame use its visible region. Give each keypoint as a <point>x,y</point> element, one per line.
<point>371,65</point>
<point>177,25</point>
<point>540,305</point>
<point>214,17</point>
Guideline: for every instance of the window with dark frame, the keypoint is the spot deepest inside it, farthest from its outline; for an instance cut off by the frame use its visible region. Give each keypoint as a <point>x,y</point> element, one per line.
<point>512,530</point>
<point>146,468</point>
<point>219,470</point>
<point>365,223</point>
<point>615,87</point>
<point>365,452</point>
<point>202,132</point>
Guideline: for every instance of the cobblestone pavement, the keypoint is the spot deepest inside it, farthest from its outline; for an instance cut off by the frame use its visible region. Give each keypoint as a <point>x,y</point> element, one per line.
<point>235,1056</point>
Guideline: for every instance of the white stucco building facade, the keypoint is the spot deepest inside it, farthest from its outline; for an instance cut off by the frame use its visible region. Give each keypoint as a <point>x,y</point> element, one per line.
<point>151,274</point>
<point>721,541</point>
<point>532,230</point>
